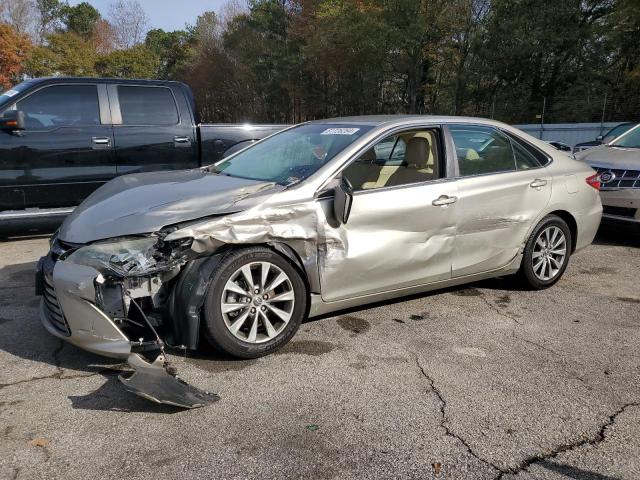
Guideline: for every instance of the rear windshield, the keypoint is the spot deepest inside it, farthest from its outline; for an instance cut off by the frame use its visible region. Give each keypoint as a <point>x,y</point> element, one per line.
<point>293,155</point>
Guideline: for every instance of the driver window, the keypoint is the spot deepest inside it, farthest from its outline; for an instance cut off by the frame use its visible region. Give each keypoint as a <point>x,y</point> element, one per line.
<point>403,159</point>
<point>61,106</point>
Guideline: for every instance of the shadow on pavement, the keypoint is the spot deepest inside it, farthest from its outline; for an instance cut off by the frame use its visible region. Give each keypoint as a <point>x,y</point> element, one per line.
<point>618,233</point>
<point>574,472</point>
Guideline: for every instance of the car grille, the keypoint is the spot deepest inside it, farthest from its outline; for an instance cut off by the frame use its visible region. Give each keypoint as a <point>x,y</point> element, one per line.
<point>53,310</point>
<point>621,178</point>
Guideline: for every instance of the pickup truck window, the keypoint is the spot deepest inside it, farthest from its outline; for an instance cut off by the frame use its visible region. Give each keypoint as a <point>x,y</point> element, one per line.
<point>293,155</point>
<point>61,106</point>
<point>147,106</point>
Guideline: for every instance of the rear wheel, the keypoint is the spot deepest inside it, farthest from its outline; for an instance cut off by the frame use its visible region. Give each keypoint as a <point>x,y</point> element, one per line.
<point>255,303</point>
<point>546,254</point>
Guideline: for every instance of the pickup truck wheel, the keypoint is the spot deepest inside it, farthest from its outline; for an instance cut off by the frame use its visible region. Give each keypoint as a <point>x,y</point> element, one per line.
<point>546,254</point>
<point>255,303</point>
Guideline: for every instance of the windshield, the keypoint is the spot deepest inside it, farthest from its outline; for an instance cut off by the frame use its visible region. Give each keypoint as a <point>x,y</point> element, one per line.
<point>631,139</point>
<point>616,132</point>
<point>293,155</point>
<point>7,97</point>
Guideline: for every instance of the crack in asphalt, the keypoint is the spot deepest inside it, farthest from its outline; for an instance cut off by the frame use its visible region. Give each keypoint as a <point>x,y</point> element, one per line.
<point>531,460</point>
<point>444,421</point>
<point>497,309</point>
<point>500,312</point>
<point>568,447</point>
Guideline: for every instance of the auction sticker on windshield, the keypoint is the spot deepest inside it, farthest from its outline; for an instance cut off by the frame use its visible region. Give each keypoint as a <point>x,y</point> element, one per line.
<point>340,131</point>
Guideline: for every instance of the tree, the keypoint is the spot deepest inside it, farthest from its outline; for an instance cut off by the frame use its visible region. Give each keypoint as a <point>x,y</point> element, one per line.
<point>50,14</point>
<point>173,50</point>
<point>135,62</point>
<point>65,54</point>
<point>20,15</point>
<point>129,22</point>
<point>14,48</point>
<point>103,37</point>
<point>81,19</point>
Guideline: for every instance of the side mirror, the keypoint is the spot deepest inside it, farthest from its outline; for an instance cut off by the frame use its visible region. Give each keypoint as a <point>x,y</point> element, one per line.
<point>342,199</point>
<point>599,138</point>
<point>12,120</point>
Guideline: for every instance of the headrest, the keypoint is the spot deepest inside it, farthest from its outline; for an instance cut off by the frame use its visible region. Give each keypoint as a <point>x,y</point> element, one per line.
<point>369,156</point>
<point>417,153</point>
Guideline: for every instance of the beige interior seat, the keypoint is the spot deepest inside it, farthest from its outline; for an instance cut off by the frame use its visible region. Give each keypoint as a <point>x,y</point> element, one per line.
<point>363,171</point>
<point>419,160</point>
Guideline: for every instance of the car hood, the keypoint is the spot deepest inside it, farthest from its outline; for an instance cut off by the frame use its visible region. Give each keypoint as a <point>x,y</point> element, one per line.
<point>611,157</point>
<point>146,202</point>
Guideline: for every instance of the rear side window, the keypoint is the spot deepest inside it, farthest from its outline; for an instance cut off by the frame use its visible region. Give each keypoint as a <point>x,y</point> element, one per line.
<point>147,106</point>
<point>536,157</point>
<point>61,106</point>
<point>482,150</point>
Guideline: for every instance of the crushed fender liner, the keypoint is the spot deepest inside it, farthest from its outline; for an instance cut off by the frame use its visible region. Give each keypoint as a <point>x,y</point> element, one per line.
<point>155,382</point>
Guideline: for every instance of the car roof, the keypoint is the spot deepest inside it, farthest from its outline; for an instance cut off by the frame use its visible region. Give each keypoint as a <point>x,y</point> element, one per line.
<point>40,80</point>
<point>379,120</point>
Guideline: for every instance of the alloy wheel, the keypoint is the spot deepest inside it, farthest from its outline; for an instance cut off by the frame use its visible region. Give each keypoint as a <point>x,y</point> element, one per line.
<point>257,302</point>
<point>549,253</point>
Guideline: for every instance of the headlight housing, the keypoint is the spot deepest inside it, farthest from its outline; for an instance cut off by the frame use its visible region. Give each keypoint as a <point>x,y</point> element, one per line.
<point>127,256</point>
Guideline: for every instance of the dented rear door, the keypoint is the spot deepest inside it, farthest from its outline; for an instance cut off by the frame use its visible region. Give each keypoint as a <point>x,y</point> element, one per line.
<point>495,214</point>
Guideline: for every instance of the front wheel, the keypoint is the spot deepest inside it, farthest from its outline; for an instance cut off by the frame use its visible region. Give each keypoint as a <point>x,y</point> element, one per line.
<point>546,254</point>
<point>255,303</point>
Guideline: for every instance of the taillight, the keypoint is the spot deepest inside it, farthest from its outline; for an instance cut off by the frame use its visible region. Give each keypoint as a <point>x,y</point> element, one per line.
<point>594,181</point>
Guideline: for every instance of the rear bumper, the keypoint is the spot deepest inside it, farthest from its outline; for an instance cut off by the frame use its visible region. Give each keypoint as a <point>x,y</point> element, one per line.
<point>77,319</point>
<point>621,205</point>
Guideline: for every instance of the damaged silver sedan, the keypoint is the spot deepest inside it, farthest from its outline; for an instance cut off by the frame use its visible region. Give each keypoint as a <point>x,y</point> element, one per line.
<point>322,216</point>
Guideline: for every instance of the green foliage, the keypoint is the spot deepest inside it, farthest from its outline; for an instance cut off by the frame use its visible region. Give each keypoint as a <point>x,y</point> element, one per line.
<point>65,54</point>
<point>135,62</point>
<point>293,60</point>
<point>172,50</point>
<point>80,19</point>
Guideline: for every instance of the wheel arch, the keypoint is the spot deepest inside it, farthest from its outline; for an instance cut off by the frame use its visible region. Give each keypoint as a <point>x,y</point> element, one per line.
<point>188,294</point>
<point>571,223</point>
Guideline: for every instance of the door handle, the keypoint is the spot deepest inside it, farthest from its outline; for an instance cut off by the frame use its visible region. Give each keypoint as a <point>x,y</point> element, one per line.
<point>178,139</point>
<point>99,143</point>
<point>538,183</point>
<point>444,200</point>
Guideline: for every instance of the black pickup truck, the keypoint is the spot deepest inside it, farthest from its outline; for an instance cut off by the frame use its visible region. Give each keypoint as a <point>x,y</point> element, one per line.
<point>61,138</point>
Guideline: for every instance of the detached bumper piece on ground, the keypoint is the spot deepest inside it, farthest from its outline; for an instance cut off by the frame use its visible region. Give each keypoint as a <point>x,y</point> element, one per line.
<point>155,381</point>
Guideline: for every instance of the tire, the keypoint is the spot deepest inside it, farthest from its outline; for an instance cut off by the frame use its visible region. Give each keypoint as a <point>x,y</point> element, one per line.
<point>540,276</point>
<point>251,325</point>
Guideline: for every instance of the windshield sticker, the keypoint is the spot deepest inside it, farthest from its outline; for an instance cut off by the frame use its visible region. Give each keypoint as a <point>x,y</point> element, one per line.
<point>10,93</point>
<point>340,131</point>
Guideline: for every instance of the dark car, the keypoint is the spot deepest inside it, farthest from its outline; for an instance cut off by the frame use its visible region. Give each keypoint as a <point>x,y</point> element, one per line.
<point>606,138</point>
<point>62,138</point>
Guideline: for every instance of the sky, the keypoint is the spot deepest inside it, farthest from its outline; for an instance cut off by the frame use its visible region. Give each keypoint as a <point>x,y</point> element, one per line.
<point>165,14</point>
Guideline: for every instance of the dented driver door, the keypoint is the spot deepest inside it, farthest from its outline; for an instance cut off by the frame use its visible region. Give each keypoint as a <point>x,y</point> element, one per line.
<point>394,238</point>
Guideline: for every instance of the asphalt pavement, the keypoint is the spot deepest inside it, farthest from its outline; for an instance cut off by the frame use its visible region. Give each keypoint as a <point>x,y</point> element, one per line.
<point>482,381</point>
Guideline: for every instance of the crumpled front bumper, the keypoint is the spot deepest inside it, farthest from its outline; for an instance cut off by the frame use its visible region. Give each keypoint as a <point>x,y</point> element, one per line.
<point>68,312</point>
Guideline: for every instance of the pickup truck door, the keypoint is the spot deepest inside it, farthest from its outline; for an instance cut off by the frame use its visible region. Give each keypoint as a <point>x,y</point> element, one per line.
<point>153,129</point>
<point>65,152</point>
